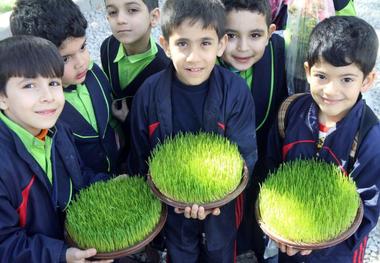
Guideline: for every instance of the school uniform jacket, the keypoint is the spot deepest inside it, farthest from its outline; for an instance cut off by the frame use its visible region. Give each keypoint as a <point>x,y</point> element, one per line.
<point>228,111</point>
<point>301,137</point>
<point>108,52</point>
<point>97,149</point>
<point>268,91</point>
<point>31,208</point>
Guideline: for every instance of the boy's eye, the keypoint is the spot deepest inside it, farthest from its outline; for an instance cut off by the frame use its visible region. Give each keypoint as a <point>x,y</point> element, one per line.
<point>231,35</point>
<point>66,59</point>
<point>347,80</point>
<point>84,46</point>
<point>111,12</point>
<point>255,35</point>
<point>319,76</point>
<point>55,83</point>
<point>206,43</point>
<point>28,86</point>
<point>132,10</point>
<point>182,44</point>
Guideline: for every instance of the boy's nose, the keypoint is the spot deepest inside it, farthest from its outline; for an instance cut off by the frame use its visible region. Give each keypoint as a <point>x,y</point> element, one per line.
<point>243,44</point>
<point>46,94</point>
<point>193,56</point>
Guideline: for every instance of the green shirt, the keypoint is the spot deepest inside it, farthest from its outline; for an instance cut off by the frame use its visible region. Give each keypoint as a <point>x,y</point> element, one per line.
<point>39,149</point>
<point>130,66</point>
<point>80,99</point>
<point>348,10</point>
<point>245,74</point>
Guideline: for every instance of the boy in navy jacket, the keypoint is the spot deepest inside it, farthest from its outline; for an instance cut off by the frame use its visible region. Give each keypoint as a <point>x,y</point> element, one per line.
<point>40,167</point>
<point>323,124</point>
<point>258,56</point>
<point>193,95</point>
<point>87,90</point>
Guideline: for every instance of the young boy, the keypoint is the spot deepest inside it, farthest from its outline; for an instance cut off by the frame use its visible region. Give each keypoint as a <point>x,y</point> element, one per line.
<point>257,55</point>
<point>40,167</point>
<point>323,124</point>
<point>86,88</point>
<point>191,95</point>
<point>130,54</point>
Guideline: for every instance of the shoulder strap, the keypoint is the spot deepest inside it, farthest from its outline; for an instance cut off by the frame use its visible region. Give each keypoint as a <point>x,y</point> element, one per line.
<point>281,116</point>
<point>368,120</point>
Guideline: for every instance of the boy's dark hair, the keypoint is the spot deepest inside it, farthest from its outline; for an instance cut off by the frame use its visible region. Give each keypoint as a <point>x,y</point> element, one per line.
<point>55,20</point>
<point>343,40</point>
<point>28,57</point>
<point>151,4</point>
<point>210,13</point>
<point>256,6</point>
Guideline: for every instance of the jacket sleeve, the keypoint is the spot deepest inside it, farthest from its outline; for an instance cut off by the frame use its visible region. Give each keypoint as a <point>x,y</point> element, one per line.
<point>139,133</point>
<point>15,244</point>
<point>366,176</point>
<point>241,127</point>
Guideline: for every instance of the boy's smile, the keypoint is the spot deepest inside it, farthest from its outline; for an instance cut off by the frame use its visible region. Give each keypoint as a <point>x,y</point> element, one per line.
<point>248,35</point>
<point>34,104</point>
<point>336,89</point>
<point>193,50</point>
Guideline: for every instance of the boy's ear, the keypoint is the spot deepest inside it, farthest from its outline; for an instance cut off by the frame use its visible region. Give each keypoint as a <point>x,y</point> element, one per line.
<point>3,102</point>
<point>154,17</point>
<point>271,29</point>
<point>222,45</point>
<point>368,81</point>
<point>307,71</point>
<point>165,45</point>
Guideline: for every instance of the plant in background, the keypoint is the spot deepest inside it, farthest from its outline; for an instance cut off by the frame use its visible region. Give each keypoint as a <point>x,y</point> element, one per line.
<point>308,201</point>
<point>113,215</point>
<point>196,168</point>
<point>6,5</point>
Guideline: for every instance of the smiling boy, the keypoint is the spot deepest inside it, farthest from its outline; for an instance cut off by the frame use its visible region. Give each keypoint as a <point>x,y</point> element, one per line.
<point>86,87</point>
<point>191,95</point>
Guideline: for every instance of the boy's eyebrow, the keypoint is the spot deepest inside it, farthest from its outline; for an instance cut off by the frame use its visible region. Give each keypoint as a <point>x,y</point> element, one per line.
<point>256,30</point>
<point>127,4</point>
<point>202,39</point>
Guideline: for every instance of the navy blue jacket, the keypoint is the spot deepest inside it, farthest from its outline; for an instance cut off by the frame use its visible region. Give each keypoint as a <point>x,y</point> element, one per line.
<point>108,52</point>
<point>31,208</point>
<point>98,150</point>
<point>301,136</point>
<point>228,110</point>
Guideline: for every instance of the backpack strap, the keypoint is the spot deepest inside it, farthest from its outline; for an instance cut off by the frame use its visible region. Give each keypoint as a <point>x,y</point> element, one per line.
<point>281,116</point>
<point>368,120</point>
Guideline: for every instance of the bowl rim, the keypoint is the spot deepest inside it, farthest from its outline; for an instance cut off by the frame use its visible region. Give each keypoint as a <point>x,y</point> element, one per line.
<point>129,250</point>
<point>211,205</point>
<point>311,246</point>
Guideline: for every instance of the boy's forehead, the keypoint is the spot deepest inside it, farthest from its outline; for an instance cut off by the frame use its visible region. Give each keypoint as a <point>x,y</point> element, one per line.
<point>238,18</point>
<point>123,2</point>
<point>193,29</point>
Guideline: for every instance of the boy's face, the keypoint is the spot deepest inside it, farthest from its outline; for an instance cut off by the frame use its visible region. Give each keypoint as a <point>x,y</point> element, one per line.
<point>131,21</point>
<point>193,50</point>
<point>34,104</point>
<point>336,89</point>
<point>248,35</point>
<point>76,58</point>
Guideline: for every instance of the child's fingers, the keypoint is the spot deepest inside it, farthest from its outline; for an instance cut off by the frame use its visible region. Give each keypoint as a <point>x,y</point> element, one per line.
<point>194,211</point>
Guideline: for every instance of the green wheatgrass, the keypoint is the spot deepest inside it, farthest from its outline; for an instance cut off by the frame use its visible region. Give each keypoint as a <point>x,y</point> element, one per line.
<point>196,168</point>
<point>308,201</point>
<point>113,215</point>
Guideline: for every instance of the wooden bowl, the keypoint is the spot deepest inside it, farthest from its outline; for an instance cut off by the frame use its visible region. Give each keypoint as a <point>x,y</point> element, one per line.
<point>311,246</point>
<point>129,250</point>
<point>208,206</point>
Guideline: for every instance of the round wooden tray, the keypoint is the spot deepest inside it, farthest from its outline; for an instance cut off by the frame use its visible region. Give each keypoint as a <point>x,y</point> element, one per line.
<point>207,206</point>
<point>130,250</point>
<point>311,246</point>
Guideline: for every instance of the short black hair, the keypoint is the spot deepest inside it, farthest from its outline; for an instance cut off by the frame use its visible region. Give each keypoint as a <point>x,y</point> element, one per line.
<point>259,6</point>
<point>55,20</point>
<point>151,4</point>
<point>343,40</point>
<point>208,12</point>
<point>28,57</point>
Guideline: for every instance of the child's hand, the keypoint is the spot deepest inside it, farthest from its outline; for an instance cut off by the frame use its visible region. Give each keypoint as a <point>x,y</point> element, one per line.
<point>290,251</point>
<point>197,212</point>
<point>75,255</point>
<point>120,109</point>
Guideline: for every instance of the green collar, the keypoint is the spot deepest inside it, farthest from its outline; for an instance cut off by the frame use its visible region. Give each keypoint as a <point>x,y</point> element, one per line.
<point>137,57</point>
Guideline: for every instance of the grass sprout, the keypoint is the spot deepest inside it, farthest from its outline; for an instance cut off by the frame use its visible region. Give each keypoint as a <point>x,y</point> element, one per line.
<point>196,168</point>
<point>113,215</point>
<point>308,201</point>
